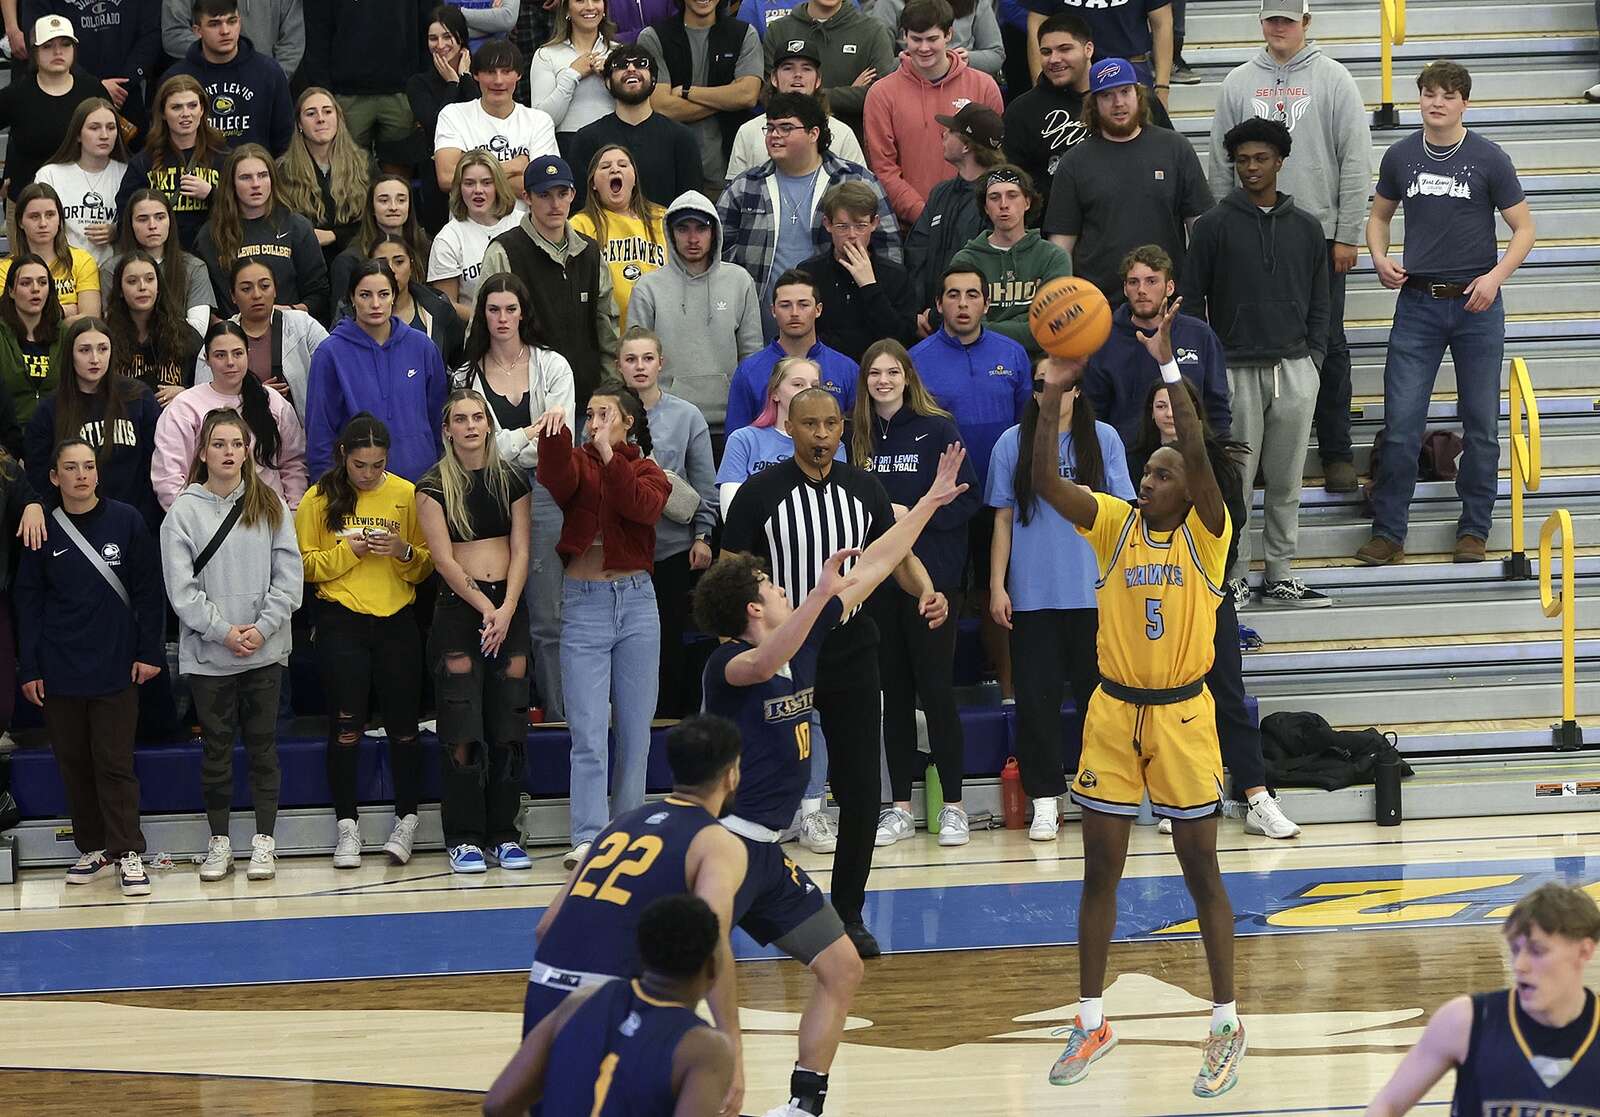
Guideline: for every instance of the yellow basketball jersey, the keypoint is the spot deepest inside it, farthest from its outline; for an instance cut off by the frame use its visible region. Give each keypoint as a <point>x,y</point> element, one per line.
<point>1157,596</point>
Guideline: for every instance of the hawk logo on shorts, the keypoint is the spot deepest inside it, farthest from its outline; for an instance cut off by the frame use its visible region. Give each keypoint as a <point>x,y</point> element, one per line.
<point>1087,779</point>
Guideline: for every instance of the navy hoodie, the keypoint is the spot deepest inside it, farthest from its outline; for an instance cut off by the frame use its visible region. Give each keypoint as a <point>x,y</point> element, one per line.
<point>403,382</point>
<point>73,630</point>
<point>1118,378</point>
<point>905,458</point>
<point>124,469</point>
<point>247,99</point>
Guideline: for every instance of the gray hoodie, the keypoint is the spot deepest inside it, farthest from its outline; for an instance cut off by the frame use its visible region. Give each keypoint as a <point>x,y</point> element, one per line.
<point>1329,171</point>
<point>254,578</point>
<point>707,323</point>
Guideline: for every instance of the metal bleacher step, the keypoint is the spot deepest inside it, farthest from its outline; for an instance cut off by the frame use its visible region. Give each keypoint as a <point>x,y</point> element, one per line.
<point>1573,148</point>
<point>1494,84</point>
<point>1567,289</point>
<point>1395,697</point>
<point>1524,328</point>
<point>1314,498</point>
<point>1556,405</point>
<point>1553,367</point>
<point>1235,21</point>
<point>1432,528</point>
<point>1567,448</point>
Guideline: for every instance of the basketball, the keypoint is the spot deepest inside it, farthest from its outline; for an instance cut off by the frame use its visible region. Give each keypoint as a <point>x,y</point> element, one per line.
<point>1069,317</point>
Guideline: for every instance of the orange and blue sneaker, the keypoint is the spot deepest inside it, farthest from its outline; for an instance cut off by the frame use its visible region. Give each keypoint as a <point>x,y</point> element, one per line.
<point>1219,1070</point>
<point>1083,1047</point>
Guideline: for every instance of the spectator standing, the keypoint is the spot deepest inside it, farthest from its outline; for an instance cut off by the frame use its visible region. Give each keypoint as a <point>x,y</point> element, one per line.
<point>1046,121</point>
<point>567,280</point>
<point>473,508</point>
<point>364,53</point>
<point>234,578</point>
<point>766,441</point>
<point>1139,31</point>
<point>1042,579</point>
<point>1012,258</point>
<point>89,617</point>
<point>249,222</point>
<point>374,362</point>
<point>899,434</point>
<point>416,304</point>
<point>113,414</point>
<point>1328,176</point>
<point>488,19</point>
<point>280,339</point>
<point>1258,269</point>
<point>954,213</point>
<point>276,28</point>
<point>146,222</point>
<point>975,34</point>
<point>796,308</point>
<point>1117,378</point>
<point>633,16</point>
<point>274,439</point>
<point>856,51</point>
<point>1451,181</point>
<point>85,172</point>
<point>390,211</point>
<point>664,151</point>
<point>611,494</point>
<point>796,68</point>
<point>1093,213</point>
<point>681,446</point>
<point>31,331</point>
<point>37,106</point>
<point>863,298</point>
<point>363,550</point>
<point>772,214</point>
<point>182,157</point>
<point>908,110</point>
<point>150,340</point>
<point>247,94</point>
<point>325,176</point>
<point>36,227</point>
<point>119,42</point>
<point>703,310</point>
<point>445,79</point>
<point>567,76</point>
<point>626,225</point>
<point>495,122</point>
<point>482,207</point>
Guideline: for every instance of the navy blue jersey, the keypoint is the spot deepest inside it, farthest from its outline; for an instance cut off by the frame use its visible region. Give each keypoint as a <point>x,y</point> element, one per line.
<point>640,857</point>
<point>613,1057</point>
<point>1510,1060</point>
<point>774,720</point>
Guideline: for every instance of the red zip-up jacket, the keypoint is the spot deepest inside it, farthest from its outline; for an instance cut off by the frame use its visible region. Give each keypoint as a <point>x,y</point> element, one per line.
<point>621,501</point>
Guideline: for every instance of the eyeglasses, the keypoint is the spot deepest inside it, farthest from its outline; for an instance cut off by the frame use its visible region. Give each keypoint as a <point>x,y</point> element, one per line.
<point>783,129</point>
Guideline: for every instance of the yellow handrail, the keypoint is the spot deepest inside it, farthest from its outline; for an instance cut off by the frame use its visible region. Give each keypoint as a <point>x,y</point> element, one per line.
<point>1394,34</point>
<point>1559,523</point>
<point>1525,460</point>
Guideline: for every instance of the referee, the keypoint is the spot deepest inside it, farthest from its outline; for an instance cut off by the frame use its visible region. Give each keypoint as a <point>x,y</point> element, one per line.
<point>794,515</point>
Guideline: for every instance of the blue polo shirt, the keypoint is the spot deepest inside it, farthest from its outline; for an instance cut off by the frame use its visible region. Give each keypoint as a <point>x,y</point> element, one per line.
<point>748,388</point>
<point>985,385</point>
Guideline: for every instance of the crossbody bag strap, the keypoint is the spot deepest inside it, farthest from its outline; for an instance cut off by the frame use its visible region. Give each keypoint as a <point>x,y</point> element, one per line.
<point>87,550</point>
<point>216,540</point>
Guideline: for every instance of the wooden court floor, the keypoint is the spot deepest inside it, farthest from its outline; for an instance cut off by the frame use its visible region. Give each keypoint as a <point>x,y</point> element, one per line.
<point>1361,934</point>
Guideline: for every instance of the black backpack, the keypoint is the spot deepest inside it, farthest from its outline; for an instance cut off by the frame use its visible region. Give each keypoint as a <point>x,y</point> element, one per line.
<point>1302,750</point>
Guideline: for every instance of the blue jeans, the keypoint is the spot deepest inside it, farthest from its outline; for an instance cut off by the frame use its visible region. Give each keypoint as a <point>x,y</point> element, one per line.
<point>1424,327</point>
<point>542,592</point>
<point>817,784</point>
<point>610,642</point>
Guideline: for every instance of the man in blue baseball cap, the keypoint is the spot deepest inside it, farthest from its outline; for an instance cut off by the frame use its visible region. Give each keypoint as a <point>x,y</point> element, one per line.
<point>1128,184</point>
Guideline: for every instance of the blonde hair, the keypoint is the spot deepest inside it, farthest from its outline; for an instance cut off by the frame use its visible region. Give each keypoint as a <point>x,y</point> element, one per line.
<point>918,400</point>
<point>504,200</point>
<point>350,173</point>
<point>453,479</point>
<point>261,502</point>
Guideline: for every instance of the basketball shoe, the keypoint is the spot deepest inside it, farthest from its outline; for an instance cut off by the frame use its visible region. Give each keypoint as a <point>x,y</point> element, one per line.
<point>1083,1048</point>
<point>1219,1069</point>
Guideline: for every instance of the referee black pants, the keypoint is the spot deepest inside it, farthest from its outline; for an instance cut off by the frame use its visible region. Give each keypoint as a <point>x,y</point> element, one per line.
<point>849,704</point>
<point>1238,735</point>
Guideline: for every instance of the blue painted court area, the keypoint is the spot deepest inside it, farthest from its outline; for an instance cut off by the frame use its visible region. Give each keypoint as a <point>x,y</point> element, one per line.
<point>975,917</point>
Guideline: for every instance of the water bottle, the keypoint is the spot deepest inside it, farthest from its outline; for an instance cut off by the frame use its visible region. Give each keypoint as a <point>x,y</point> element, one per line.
<point>1013,803</point>
<point>1386,785</point>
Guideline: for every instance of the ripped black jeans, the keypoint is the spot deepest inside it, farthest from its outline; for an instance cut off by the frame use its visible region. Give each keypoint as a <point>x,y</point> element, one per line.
<point>483,719</point>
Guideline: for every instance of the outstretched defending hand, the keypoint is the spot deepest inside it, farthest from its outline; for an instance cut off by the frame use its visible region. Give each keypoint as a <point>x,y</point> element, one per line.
<point>1159,344</point>
<point>834,581</point>
<point>944,488</point>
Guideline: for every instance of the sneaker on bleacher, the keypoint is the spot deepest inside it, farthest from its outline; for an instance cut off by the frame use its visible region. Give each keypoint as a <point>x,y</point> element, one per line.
<point>894,824</point>
<point>1241,594</point>
<point>1292,591</point>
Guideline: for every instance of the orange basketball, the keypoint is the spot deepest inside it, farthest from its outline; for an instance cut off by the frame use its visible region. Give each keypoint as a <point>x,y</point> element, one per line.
<point>1069,318</point>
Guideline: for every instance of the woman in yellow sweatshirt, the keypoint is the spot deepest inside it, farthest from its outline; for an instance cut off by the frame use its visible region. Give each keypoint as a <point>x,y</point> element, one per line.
<point>364,552</point>
<point>629,228</point>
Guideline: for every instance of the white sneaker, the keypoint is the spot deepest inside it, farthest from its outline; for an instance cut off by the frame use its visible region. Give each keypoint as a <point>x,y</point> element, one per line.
<point>1046,819</point>
<point>262,849</point>
<point>135,881</point>
<point>1267,818</point>
<point>1165,827</point>
<point>953,828</point>
<point>576,854</point>
<point>347,850</point>
<point>893,825</point>
<point>1592,93</point>
<point>818,833</point>
<point>398,847</point>
<point>90,867</point>
<point>219,858</point>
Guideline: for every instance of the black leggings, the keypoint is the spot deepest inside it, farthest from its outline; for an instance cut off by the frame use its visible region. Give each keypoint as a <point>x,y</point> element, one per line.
<point>847,698</point>
<point>1239,736</point>
<point>1049,649</point>
<point>917,664</point>
<point>671,578</point>
<point>359,653</point>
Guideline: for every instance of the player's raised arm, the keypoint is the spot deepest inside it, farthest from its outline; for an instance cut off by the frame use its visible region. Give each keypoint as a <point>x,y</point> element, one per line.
<point>763,661</point>
<point>1072,500</point>
<point>1204,493</point>
<point>886,552</point>
<point>1442,1048</point>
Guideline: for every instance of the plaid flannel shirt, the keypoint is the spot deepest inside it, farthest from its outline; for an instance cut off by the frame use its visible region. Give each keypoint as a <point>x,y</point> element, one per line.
<point>750,226</point>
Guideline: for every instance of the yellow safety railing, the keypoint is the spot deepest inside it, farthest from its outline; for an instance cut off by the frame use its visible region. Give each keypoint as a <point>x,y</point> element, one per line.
<point>1524,461</point>
<point>1567,734</point>
<point>1394,34</point>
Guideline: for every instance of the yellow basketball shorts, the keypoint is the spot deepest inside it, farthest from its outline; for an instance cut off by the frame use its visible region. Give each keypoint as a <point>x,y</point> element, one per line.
<point>1170,750</point>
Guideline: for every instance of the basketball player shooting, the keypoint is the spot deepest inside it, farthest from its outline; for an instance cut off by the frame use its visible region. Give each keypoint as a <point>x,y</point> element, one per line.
<point>1151,725</point>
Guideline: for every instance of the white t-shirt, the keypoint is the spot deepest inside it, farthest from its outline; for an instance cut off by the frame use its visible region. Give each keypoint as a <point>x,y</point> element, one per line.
<point>458,251</point>
<point>86,199</point>
<point>526,132</point>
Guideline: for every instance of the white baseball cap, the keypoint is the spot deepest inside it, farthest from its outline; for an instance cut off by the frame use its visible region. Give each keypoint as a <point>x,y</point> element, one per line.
<point>53,27</point>
<point>1285,9</point>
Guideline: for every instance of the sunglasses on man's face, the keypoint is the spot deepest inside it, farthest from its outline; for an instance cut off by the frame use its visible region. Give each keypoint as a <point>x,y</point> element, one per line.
<point>637,61</point>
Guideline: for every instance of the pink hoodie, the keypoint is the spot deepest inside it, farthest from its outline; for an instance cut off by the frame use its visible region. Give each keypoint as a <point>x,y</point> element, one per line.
<point>905,144</point>
<point>178,434</point>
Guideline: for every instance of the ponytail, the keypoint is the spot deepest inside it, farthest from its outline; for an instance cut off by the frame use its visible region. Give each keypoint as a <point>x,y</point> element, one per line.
<point>254,403</point>
<point>364,430</point>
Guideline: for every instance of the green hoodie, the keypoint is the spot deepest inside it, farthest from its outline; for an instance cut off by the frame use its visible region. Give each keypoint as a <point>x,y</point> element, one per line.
<point>1014,276</point>
<point>26,391</point>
